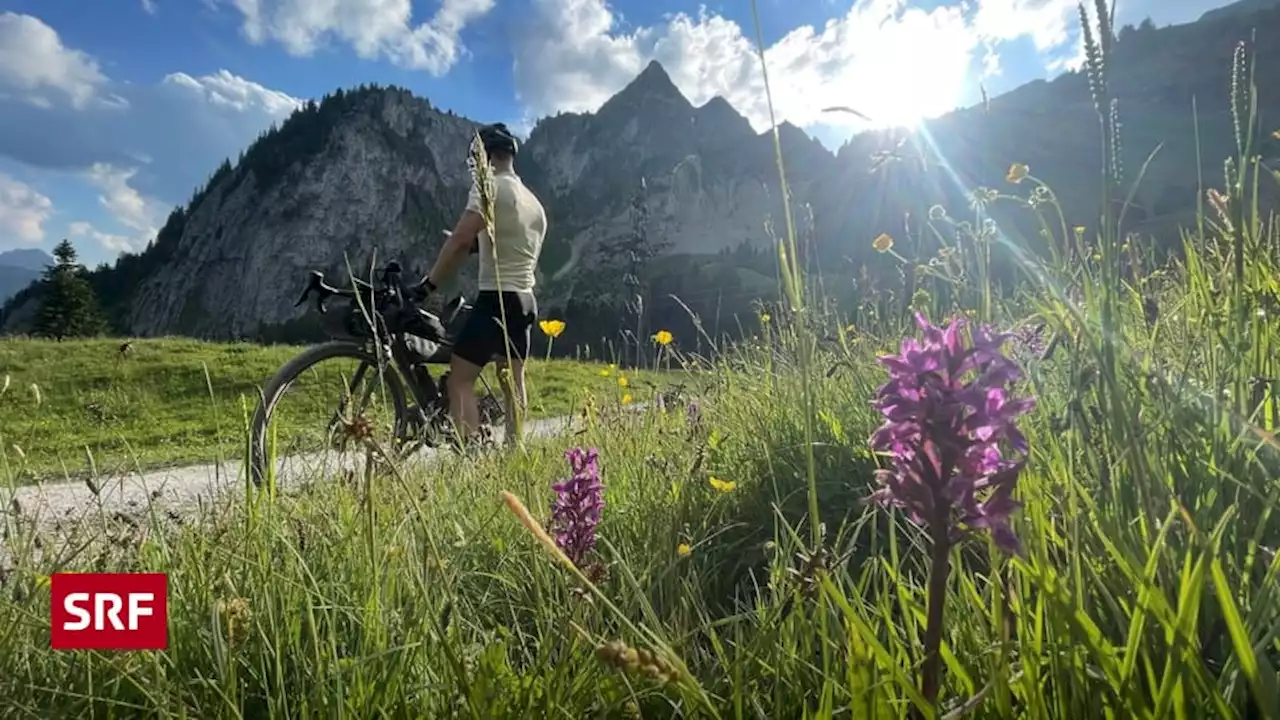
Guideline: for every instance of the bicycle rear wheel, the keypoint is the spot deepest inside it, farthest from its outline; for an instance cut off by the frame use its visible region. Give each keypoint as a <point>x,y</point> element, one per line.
<point>363,401</point>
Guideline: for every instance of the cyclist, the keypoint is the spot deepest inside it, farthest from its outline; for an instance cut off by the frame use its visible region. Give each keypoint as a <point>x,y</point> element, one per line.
<point>506,281</point>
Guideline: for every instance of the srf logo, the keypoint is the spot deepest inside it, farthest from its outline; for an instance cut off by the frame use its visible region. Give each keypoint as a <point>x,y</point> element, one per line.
<point>109,611</point>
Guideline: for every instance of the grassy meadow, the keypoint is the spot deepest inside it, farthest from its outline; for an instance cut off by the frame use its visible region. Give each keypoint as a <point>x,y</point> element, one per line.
<point>737,571</point>
<point>79,406</point>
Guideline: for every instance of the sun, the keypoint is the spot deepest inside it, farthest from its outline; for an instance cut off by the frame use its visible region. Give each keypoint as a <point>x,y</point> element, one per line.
<point>913,100</point>
<point>908,109</point>
<point>901,107</point>
<point>902,94</point>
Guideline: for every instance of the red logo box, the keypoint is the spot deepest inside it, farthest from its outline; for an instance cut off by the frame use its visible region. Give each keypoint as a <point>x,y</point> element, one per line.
<point>109,611</point>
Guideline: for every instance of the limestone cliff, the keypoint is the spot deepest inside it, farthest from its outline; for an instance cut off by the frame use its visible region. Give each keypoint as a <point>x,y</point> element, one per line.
<point>709,181</point>
<point>383,175</point>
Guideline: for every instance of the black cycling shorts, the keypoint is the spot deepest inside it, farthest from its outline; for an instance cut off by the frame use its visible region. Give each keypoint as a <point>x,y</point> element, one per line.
<point>481,339</point>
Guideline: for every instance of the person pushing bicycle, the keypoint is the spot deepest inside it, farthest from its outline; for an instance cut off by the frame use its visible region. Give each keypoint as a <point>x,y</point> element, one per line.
<point>501,322</point>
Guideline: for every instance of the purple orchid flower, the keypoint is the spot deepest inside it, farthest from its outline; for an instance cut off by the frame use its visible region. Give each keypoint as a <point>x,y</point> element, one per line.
<point>948,411</point>
<point>575,513</point>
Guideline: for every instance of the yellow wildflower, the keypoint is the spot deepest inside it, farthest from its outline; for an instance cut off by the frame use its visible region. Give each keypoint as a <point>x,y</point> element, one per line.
<point>683,550</point>
<point>604,372</point>
<point>622,381</point>
<point>1017,173</point>
<point>552,328</point>
<point>882,243</point>
<point>723,486</point>
<point>626,398</point>
<point>663,337</point>
<point>765,318</point>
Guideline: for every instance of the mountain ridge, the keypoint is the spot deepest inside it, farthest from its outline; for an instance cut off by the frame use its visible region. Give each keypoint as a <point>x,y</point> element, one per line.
<point>378,167</point>
<point>19,268</point>
<point>26,258</point>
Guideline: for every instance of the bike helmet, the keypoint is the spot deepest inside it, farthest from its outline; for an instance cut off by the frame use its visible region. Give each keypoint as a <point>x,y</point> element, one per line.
<point>497,138</point>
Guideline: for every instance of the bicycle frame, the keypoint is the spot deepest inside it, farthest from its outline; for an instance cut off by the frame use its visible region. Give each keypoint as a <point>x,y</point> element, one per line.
<point>380,330</point>
<point>391,345</point>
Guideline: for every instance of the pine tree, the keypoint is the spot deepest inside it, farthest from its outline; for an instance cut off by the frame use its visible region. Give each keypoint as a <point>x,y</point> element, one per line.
<point>69,307</point>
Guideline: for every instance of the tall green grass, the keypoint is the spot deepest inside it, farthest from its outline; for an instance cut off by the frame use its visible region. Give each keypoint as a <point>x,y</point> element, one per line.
<point>81,408</point>
<point>1147,587</point>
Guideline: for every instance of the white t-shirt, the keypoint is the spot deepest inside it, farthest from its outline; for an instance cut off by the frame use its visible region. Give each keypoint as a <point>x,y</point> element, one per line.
<point>520,224</point>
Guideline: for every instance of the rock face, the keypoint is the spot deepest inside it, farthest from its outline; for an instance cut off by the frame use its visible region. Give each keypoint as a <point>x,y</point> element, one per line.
<point>1240,9</point>
<point>376,169</point>
<point>390,163</point>
<point>710,179</point>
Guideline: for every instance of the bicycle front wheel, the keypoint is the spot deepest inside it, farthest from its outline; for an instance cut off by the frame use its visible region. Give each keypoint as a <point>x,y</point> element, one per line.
<point>346,399</point>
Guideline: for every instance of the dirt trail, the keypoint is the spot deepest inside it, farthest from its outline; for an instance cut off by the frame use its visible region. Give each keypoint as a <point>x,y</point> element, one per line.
<point>56,507</point>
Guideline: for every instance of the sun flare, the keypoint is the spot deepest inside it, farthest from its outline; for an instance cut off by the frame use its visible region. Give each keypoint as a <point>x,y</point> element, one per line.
<point>899,70</point>
<point>910,100</point>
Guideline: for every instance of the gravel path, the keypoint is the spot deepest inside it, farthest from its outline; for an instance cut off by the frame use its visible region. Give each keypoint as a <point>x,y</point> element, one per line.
<point>55,508</point>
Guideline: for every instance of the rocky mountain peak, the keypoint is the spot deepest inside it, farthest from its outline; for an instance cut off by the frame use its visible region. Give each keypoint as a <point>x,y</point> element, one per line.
<point>717,115</point>
<point>653,80</point>
<point>791,134</point>
<point>651,90</point>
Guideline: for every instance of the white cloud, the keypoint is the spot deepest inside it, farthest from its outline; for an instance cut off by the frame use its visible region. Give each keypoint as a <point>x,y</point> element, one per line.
<point>33,61</point>
<point>373,28</point>
<point>109,242</point>
<point>125,203</point>
<point>871,59</point>
<point>1047,22</point>
<point>144,147</point>
<point>225,90</point>
<point>23,212</point>
<point>149,6</point>
<point>893,62</point>
<point>1069,57</point>
<point>161,147</point>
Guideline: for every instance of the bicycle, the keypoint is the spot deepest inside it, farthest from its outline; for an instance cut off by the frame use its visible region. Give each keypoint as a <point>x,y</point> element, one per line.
<point>385,330</point>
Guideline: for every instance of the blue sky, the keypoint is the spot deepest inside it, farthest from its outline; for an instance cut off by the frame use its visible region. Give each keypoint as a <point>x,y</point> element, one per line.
<point>113,111</point>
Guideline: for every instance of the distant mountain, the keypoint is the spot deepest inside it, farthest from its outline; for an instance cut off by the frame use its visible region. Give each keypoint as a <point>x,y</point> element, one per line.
<point>28,258</point>
<point>19,268</point>
<point>377,169</point>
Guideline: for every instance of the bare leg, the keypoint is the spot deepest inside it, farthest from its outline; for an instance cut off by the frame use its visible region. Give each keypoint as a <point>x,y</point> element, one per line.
<point>462,396</point>
<point>514,395</point>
